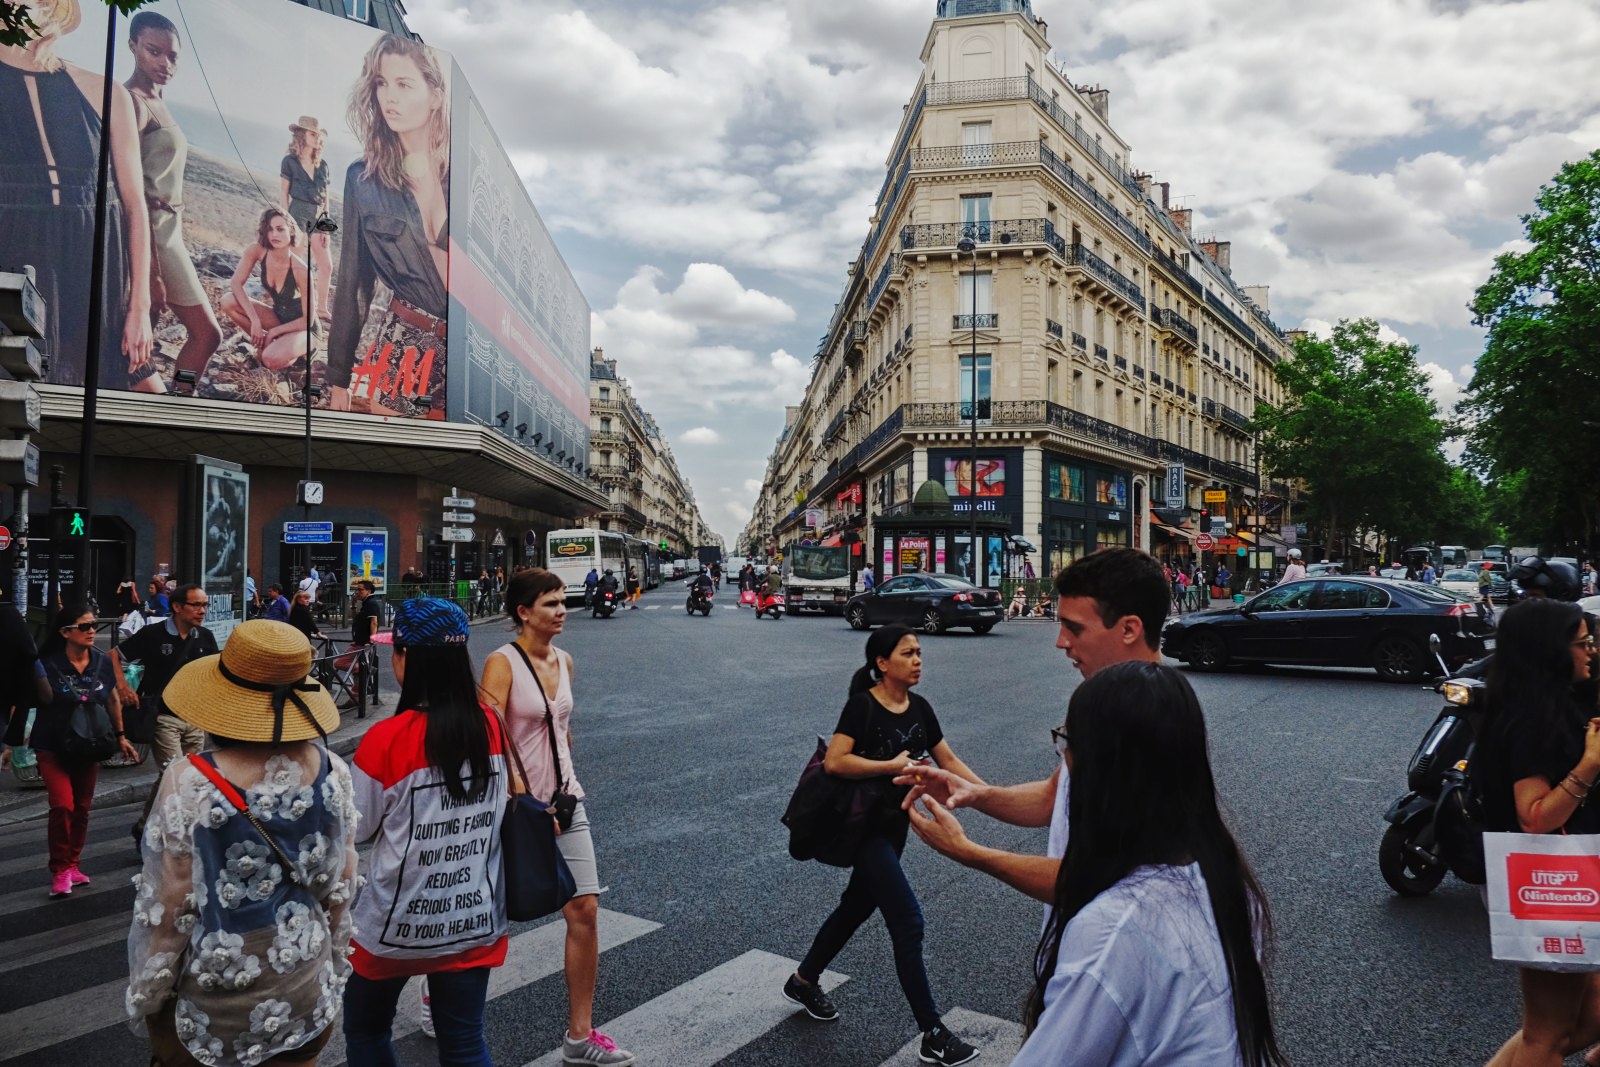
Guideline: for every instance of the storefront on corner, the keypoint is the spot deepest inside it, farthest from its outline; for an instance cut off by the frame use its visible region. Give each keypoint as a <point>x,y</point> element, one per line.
<point>1086,506</point>
<point>929,534</point>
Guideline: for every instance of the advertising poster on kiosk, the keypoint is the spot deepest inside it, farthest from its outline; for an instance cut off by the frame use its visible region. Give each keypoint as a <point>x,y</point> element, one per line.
<point>367,558</point>
<point>224,509</point>
<point>226,151</point>
<point>991,478</point>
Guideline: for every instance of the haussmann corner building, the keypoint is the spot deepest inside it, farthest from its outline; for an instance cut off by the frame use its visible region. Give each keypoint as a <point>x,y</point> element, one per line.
<point>450,376</point>
<point>1110,345</point>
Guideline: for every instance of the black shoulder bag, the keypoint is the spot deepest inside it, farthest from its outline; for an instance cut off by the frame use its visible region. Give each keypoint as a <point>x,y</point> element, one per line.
<point>563,803</point>
<point>829,816</point>
<point>538,881</point>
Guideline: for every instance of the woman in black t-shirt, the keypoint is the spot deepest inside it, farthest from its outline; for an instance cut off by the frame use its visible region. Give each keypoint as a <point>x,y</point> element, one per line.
<point>883,729</point>
<point>1537,762</point>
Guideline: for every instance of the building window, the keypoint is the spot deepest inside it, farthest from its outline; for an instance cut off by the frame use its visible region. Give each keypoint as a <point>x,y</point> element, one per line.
<point>975,217</point>
<point>974,134</point>
<point>605,425</point>
<point>605,392</point>
<point>977,299</point>
<point>966,387</point>
<point>1050,369</point>
<point>359,10</point>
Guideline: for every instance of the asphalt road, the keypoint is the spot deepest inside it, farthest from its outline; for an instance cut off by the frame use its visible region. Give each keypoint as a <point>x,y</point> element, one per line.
<point>690,733</point>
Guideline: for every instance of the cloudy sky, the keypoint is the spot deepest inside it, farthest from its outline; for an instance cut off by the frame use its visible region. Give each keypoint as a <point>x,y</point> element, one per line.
<point>708,168</point>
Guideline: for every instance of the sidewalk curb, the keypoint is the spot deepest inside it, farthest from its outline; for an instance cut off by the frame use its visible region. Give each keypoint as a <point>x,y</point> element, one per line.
<point>133,791</point>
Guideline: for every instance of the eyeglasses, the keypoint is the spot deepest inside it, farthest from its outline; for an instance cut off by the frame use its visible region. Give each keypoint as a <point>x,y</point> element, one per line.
<point>81,627</point>
<point>1062,741</point>
<point>1587,643</point>
<point>196,603</point>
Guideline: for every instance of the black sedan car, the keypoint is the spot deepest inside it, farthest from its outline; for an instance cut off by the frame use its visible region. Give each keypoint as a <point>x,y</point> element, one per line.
<point>930,602</point>
<point>1335,622</point>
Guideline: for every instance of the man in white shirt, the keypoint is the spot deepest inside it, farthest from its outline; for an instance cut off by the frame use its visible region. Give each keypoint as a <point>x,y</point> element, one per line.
<point>310,583</point>
<point>1111,606</point>
<point>1296,570</point>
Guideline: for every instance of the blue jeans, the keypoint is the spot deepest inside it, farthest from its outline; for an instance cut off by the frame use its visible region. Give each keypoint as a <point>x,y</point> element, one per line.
<point>457,999</point>
<point>877,883</point>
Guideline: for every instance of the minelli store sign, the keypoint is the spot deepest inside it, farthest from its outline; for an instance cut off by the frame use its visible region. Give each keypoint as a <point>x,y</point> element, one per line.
<point>1544,899</point>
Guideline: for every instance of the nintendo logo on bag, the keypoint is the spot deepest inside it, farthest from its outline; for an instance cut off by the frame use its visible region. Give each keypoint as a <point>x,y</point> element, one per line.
<point>1553,887</point>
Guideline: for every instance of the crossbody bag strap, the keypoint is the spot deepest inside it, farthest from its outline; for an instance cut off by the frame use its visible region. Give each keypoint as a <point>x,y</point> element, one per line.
<point>231,794</point>
<point>549,716</point>
<point>516,757</point>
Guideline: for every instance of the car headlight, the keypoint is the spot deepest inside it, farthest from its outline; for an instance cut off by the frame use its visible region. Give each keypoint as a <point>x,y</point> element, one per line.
<point>1457,693</point>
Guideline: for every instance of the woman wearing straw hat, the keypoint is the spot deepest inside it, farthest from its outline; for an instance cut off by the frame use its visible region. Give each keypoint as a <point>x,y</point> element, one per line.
<point>241,918</point>
<point>303,196</point>
<point>431,785</point>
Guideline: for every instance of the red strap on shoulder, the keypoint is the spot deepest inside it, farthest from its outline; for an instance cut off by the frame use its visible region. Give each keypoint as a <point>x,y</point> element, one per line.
<point>215,777</point>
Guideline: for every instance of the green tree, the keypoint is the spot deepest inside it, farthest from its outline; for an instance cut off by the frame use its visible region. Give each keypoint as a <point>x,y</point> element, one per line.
<point>1359,428</point>
<point>1533,404</point>
<point>16,28</point>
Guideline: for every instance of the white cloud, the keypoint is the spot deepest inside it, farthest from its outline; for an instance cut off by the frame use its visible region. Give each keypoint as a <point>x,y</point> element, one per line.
<point>701,435</point>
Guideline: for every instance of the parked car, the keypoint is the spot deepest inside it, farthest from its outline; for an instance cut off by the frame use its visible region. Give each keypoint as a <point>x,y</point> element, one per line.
<point>1335,622</point>
<point>1323,569</point>
<point>1461,581</point>
<point>930,602</point>
<point>1395,572</point>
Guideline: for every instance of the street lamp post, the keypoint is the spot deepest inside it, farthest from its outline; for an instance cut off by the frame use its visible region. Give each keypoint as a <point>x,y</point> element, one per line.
<point>967,246</point>
<point>321,224</point>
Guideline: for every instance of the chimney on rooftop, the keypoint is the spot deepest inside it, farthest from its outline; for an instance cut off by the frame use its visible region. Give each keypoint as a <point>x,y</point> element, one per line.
<point>1258,296</point>
<point>1099,100</point>
<point>1221,253</point>
<point>1183,216</point>
<point>1166,196</point>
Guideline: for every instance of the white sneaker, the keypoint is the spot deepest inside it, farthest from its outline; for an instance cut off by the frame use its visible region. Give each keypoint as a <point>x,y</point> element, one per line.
<point>597,1049</point>
<point>427,1011</point>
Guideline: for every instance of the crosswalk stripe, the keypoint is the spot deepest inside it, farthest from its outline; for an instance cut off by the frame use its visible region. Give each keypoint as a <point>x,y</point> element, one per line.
<point>710,1017</point>
<point>38,891</point>
<point>47,945</point>
<point>532,956</point>
<point>997,1039</point>
<point>652,607</point>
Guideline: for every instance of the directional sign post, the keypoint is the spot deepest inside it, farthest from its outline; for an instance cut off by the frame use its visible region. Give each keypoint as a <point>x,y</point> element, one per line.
<point>308,533</point>
<point>465,518</point>
<point>465,502</point>
<point>455,533</point>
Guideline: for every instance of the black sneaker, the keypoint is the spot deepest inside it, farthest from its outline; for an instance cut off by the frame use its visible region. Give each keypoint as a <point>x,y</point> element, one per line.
<point>941,1046</point>
<point>811,997</point>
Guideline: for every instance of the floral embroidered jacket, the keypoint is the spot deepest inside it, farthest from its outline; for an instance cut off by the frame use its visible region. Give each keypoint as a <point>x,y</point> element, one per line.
<point>256,963</point>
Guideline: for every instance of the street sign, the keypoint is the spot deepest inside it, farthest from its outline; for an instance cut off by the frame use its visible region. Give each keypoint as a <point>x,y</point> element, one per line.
<point>456,533</point>
<point>5,538</point>
<point>466,518</point>
<point>499,540</point>
<point>1175,491</point>
<point>460,502</point>
<point>308,533</point>
<point>1216,496</point>
<point>1205,542</point>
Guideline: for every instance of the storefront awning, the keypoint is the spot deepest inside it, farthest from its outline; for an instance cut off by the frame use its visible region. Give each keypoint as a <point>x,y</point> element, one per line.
<point>831,541</point>
<point>1175,532</point>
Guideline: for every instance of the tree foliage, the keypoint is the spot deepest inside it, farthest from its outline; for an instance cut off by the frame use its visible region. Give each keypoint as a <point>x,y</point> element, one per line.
<point>1534,401</point>
<point>16,28</point>
<point>1359,428</point>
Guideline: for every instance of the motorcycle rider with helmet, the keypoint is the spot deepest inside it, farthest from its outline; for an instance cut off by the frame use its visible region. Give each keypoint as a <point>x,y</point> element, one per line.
<point>1296,570</point>
<point>701,585</point>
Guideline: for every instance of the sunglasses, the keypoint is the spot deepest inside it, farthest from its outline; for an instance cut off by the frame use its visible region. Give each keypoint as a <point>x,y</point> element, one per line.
<point>1062,741</point>
<point>81,627</point>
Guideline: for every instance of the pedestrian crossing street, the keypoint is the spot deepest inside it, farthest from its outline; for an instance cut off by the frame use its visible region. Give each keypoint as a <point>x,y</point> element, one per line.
<point>63,967</point>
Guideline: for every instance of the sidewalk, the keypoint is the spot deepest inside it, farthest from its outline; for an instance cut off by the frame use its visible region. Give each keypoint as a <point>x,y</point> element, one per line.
<point>130,785</point>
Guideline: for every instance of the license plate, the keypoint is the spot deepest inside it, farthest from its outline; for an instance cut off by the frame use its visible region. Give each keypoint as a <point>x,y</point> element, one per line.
<point>839,598</point>
<point>1488,644</point>
<point>985,613</point>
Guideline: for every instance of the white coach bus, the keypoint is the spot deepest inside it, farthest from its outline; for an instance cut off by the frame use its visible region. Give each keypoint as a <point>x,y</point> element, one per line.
<point>569,554</point>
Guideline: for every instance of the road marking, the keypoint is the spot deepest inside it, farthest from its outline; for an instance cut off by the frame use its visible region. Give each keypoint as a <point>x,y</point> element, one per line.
<point>48,945</point>
<point>106,881</point>
<point>710,1017</point>
<point>1362,781</point>
<point>652,607</point>
<point>997,1039</point>
<point>531,957</point>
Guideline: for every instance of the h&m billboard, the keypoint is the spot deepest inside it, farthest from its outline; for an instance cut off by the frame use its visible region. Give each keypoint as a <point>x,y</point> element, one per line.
<point>236,126</point>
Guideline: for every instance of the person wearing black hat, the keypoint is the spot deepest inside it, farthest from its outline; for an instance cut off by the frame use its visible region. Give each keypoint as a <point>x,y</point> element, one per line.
<point>241,915</point>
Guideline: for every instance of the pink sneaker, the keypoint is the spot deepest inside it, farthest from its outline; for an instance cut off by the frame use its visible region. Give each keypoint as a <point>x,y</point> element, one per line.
<point>78,877</point>
<point>61,884</point>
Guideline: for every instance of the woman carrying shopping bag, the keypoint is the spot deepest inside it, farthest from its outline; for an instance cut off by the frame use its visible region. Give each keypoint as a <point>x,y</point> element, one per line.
<point>883,727</point>
<point>529,681</point>
<point>1535,765</point>
<point>241,918</point>
<point>431,786</point>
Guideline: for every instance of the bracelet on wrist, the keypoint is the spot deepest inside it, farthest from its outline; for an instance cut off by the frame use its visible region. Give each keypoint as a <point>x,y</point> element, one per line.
<point>1574,794</point>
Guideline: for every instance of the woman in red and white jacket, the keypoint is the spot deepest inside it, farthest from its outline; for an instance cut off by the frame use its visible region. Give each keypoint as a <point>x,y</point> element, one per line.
<point>431,786</point>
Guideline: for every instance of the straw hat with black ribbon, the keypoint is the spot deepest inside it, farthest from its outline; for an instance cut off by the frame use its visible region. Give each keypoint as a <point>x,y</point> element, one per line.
<point>257,689</point>
<point>309,124</point>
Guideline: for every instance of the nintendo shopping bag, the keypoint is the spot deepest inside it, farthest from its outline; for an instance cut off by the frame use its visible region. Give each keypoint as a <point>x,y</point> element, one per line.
<point>1544,899</point>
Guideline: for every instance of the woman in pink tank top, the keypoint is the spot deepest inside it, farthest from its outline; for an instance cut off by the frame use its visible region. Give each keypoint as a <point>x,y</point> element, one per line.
<point>530,681</point>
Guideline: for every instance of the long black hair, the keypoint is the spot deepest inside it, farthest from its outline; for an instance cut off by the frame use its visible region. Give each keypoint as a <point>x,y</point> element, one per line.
<point>439,683</point>
<point>54,643</point>
<point>1143,794</point>
<point>880,645</point>
<point>1529,687</point>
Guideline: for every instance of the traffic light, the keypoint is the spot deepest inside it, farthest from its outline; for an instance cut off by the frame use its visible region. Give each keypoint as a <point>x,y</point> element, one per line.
<point>1205,520</point>
<point>68,525</point>
<point>663,546</point>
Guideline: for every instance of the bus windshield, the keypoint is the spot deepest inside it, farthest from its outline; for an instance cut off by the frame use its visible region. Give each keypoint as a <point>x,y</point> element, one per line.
<point>818,564</point>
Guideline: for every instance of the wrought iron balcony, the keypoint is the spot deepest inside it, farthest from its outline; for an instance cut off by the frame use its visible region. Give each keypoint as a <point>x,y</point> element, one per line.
<point>607,407</point>
<point>989,321</point>
<point>611,473</point>
<point>1121,362</point>
<point>1205,348</point>
<point>1233,417</point>
<point>881,282</point>
<point>1006,232</point>
<point>1080,341</point>
<point>1101,353</point>
<point>975,155</point>
<point>607,438</point>
<point>1227,315</point>
<point>1208,408</point>
<point>1169,263</point>
<point>1138,371</point>
<point>1054,329</point>
<point>1168,319</point>
<point>1106,274</point>
<point>1172,386</point>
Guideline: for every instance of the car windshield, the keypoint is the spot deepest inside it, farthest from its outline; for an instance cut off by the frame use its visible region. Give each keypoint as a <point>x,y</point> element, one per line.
<point>1460,574</point>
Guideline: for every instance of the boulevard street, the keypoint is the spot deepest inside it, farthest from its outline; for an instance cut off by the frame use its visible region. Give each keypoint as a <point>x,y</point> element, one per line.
<point>689,735</point>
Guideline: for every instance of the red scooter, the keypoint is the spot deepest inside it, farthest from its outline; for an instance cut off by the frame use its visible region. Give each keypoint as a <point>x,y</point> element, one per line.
<point>769,603</point>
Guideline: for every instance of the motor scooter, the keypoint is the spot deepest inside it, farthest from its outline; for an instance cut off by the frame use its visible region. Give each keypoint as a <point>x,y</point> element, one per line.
<point>699,600</point>
<point>605,603</point>
<point>769,604</point>
<point>1437,826</point>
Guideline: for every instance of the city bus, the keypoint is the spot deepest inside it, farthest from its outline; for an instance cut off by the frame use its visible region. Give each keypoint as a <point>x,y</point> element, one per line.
<point>569,554</point>
<point>645,558</point>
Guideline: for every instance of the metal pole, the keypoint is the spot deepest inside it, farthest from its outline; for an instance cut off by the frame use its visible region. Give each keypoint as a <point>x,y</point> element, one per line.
<point>306,298</point>
<point>91,362</point>
<point>52,587</point>
<point>972,481</point>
